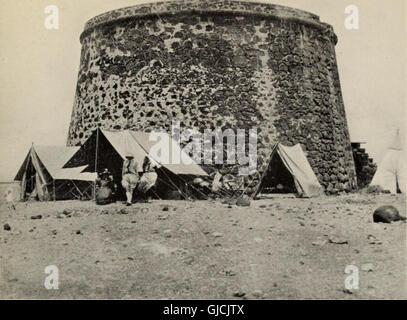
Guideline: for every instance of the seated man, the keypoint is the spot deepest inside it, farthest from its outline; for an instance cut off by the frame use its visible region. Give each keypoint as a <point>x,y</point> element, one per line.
<point>149,177</point>
<point>106,188</point>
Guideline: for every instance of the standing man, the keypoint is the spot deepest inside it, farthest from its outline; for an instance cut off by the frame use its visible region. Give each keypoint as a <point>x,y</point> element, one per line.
<point>10,199</point>
<point>130,177</point>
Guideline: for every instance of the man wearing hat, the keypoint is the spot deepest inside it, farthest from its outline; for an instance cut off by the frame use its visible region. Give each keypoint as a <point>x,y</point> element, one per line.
<point>130,177</point>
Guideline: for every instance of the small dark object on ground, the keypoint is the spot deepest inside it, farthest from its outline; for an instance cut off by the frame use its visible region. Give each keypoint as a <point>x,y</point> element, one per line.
<point>239,294</point>
<point>374,190</point>
<point>36,217</point>
<point>7,227</point>
<point>165,208</point>
<point>387,214</point>
<point>78,232</point>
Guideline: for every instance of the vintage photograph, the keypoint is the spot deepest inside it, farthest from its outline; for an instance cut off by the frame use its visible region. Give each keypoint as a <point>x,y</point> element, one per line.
<point>203,150</point>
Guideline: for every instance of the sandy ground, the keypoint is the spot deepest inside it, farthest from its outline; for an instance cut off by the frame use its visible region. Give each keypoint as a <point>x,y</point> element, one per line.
<point>278,248</point>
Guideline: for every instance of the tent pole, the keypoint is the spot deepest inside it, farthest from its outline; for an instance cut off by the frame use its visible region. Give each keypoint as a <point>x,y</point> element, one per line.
<point>94,190</point>
<point>97,147</point>
<point>96,161</point>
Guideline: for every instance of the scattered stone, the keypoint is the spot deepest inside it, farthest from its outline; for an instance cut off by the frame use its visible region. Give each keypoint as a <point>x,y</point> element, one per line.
<point>134,221</point>
<point>320,242</point>
<point>387,214</point>
<point>258,240</point>
<point>217,234</point>
<point>337,240</point>
<point>239,294</point>
<point>163,217</point>
<point>67,212</point>
<point>7,227</point>
<point>347,291</point>
<point>189,260</point>
<point>78,232</point>
<point>167,233</point>
<point>258,294</point>
<point>367,267</point>
<point>123,211</point>
<point>165,208</point>
<point>54,232</point>
<point>373,240</point>
<point>36,217</point>
<point>230,272</point>
<point>130,258</point>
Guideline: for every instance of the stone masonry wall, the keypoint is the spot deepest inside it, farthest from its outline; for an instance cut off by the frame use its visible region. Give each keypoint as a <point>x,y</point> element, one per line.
<point>218,64</point>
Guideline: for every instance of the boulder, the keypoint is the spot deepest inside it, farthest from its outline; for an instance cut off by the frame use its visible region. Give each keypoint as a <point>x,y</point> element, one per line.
<point>387,214</point>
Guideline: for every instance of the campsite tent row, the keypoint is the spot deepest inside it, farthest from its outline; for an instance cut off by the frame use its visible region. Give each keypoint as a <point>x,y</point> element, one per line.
<point>55,172</point>
<point>70,172</point>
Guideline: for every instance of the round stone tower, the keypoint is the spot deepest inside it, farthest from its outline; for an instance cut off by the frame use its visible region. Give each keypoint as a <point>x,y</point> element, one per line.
<point>218,64</point>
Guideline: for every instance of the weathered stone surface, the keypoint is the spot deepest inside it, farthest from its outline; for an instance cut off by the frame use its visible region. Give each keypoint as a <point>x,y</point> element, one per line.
<point>218,64</point>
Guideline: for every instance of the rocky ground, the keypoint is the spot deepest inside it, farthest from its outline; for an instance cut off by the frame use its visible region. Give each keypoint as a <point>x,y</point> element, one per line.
<point>278,248</point>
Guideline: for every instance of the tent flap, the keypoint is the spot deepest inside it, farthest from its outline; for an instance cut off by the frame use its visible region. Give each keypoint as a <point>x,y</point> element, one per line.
<point>295,161</point>
<point>140,145</point>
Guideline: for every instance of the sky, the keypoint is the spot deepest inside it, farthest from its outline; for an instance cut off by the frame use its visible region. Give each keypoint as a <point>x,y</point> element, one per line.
<point>38,70</point>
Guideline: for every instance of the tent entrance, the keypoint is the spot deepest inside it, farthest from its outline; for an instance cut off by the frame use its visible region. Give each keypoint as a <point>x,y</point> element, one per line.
<point>35,179</point>
<point>277,179</point>
<point>289,172</point>
<point>31,181</point>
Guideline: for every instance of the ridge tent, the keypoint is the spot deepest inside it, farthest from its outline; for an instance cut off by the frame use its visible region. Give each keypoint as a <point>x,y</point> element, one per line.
<point>108,149</point>
<point>391,172</point>
<point>41,175</point>
<point>289,167</point>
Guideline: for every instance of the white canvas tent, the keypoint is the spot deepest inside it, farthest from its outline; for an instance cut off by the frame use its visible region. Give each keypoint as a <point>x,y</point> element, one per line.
<point>298,168</point>
<point>140,144</point>
<point>108,149</point>
<point>391,172</point>
<point>42,174</point>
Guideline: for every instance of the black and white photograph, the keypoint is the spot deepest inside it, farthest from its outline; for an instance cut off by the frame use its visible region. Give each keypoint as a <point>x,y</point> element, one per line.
<point>203,150</point>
